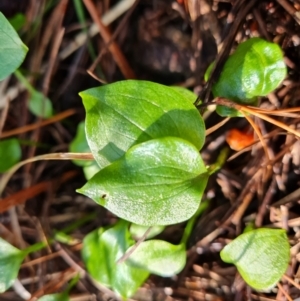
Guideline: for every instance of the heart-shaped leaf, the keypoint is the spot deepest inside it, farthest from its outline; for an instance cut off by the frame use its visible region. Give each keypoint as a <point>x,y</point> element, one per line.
<point>159,257</point>
<point>158,182</point>
<point>12,49</point>
<point>10,261</point>
<point>261,256</point>
<point>101,251</point>
<point>10,153</point>
<point>127,113</point>
<point>255,69</point>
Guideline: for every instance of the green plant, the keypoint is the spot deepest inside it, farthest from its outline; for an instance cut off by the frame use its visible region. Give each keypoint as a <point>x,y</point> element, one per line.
<point>145,139</point>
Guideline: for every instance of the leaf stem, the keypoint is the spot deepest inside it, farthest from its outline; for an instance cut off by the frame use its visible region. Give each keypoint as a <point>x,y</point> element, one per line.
<point>222,158</point>
<point>34,248</point>
<point>55,156</point>
<point>191,222</point>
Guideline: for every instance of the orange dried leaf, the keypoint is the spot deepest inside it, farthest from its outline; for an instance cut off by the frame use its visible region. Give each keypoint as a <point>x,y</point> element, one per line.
<point>237,140</point>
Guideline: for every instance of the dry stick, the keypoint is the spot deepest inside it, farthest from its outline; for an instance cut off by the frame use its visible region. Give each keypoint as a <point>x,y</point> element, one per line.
<point>127,254</point>
<point>216,127</point>
<point>120,27</point>
<point>238,13</point>
<point>290,9</point>
<point>258,133</point>
<point>56,156</point>
<point>290,280</point>
<point>284,292</point>
<point>33,126</point>
<point>21,196</point>
<point>253,111</point>
<point>263,207</point>
<point>53,57</point>
<point>113,48</point>
<point>115,12</point>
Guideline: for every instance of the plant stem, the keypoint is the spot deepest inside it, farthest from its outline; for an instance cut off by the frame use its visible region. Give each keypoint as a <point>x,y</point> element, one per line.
<point>220,161</point>
<point>22,79</point>
<point>191,222</point>
<point>34,248</point>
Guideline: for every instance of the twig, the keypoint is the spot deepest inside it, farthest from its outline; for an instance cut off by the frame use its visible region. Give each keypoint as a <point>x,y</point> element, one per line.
<point>133,248</point>
<point>55,156</point>
<point>114,13</point>
<point>113,47</point>
<point>33,126</point>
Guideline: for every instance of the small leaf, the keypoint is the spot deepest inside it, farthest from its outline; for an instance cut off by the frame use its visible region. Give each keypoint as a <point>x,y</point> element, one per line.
<point>10,261</point>
<point>255,69</point>
<point>12,49</point>
<point>17,21</point>
<point>101,251</point>
<point>261,256</point>
<point>138,231</point>
<point>127,113</point>
<point>55,297</point>
<point>40,105</point>
<point>159,182</point>
<point>10,154</point>
<point>159,257</point>
<point>80,145</point>
<point>90,170</point>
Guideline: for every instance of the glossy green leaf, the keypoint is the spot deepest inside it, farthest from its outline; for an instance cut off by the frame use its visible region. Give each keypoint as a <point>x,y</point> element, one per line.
<point>261,256</point>
<point>158,182</point>
<point>159,257</point>
<point>12,49</point>
<point>55,297</point>
<point>40,105</point>
<point>126,113</point>
<point>187,94</point>
<point>101,251</point>
<point>255,69</point>
<point>138,231</point>
<point>10,261</point>
<point>10,153</point>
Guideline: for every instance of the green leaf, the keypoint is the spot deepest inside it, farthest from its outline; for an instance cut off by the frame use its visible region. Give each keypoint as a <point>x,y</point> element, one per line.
<point>80,145</point>
<point>159,182</point>
<point>12,49</point>
<point>10,261</point>
<point>159,257</point>
<point>138,231</point>
<point>55,297</point>
<point>127,113</point>
<point>39,105</point>
<point>187,94</point>
<point>256,68</point>
<point>101,251</point>
<point>10,153</point>
<point>17,21</point>
<point>261,256</point>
